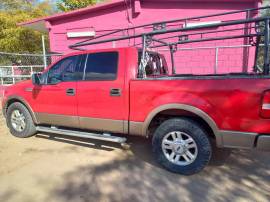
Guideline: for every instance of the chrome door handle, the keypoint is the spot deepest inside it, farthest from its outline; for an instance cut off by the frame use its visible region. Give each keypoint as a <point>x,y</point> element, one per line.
<point>115,92</point>
<point>70,92</point>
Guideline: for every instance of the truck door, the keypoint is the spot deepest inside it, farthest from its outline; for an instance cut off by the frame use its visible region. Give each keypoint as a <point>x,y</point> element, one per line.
<point>101,93</point>
<point>55,101</point>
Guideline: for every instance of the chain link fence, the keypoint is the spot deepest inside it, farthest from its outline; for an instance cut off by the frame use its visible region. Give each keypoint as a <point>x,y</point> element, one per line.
<point>215,60</point>
<point>191,60</point>
<point>15,67</point>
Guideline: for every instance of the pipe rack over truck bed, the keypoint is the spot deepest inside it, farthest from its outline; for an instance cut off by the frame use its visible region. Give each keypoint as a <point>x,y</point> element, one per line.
<point>160,35</point>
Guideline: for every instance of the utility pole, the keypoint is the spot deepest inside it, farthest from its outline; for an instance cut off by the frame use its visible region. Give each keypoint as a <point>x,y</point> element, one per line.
<point>44,52</point>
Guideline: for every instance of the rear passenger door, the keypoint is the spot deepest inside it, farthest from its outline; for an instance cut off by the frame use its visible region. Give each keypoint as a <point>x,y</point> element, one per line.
<point>101,94</point>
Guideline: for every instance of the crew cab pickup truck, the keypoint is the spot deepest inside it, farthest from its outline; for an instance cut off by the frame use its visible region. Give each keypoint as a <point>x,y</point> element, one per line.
<point>97,93</point>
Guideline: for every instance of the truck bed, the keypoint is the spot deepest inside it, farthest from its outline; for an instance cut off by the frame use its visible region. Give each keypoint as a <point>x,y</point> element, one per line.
<point>233,102</point>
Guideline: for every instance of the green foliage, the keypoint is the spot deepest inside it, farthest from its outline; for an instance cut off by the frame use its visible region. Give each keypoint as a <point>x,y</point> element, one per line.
<point>7,5</point>
<point>14,38</point>
<point>68,5</point>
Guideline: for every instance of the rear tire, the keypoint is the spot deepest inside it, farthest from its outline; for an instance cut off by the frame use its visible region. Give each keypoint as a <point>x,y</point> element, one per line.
<point>19,121</point>
<point>181,146</point>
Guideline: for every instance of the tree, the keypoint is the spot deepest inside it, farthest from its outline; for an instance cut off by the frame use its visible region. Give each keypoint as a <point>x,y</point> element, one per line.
<point>68,5</point>
<point>14,38</point>
<point>7,5</point>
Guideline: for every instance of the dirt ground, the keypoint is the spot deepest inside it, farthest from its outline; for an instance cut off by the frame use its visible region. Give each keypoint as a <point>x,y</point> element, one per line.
<point>55,168</point>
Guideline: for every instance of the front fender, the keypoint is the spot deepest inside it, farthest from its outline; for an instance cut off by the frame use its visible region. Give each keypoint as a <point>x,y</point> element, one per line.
<point>16,98</point>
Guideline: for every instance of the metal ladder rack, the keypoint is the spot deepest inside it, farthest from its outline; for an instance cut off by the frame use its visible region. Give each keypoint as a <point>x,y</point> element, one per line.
<point>253,30</point>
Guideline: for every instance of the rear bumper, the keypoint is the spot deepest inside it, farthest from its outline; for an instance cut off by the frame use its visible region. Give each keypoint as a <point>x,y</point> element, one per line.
<point>263,143</point>
<point>244,140</point>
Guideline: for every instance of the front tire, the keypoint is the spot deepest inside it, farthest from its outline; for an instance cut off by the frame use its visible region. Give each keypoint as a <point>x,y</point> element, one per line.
<point>181,146</point>
<point>19,121</point>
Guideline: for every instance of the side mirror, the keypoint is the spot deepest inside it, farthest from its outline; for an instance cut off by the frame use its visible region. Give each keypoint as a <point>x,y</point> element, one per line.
<point>36,78</point>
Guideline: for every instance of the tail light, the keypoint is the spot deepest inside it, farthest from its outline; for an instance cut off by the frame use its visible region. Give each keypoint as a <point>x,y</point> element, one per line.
<point>265,110</point>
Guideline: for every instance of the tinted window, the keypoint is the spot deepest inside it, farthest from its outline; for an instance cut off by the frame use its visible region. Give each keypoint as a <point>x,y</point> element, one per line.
<point>101,66</point>
<point>64,70</point>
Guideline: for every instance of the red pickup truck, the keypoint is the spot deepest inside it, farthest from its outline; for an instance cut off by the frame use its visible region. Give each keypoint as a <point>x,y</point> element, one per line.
<point>100,91</point>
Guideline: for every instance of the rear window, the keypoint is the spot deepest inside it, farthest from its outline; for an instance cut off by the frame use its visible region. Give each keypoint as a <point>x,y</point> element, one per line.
<point>101,66</point>
<point>154,64</point>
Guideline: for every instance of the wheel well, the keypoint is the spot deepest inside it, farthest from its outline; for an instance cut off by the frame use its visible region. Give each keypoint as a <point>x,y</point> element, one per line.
<point>13,100</point>
<point>176,113</point>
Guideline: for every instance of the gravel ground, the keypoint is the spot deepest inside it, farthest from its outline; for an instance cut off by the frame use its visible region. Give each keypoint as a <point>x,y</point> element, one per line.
<point>56,168</point>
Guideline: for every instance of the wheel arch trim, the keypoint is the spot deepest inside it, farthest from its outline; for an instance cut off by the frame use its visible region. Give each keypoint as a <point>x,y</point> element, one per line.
<point>200,113</point>
<point>24,102</point>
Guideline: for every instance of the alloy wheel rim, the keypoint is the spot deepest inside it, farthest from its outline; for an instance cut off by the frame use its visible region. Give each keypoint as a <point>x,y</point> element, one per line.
<point>179,148</point>
<point>18,120</point>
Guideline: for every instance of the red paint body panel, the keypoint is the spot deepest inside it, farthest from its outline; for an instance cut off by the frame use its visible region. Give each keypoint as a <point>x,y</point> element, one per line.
<point>94,98</point>
<point>52,99</point>
<point>233,103</point>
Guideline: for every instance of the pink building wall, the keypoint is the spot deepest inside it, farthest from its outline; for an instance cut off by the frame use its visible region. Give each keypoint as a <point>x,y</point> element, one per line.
<point>147,11</point>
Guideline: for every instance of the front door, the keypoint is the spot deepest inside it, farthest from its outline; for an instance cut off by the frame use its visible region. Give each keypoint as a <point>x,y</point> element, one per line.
<point>55,102</point>
<point>101,93</point>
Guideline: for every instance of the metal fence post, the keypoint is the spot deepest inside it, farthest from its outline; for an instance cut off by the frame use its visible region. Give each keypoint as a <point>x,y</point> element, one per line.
<point>216,60</point>
<point>13,78</point>
<point>31,69</point>
<point>44,52</point>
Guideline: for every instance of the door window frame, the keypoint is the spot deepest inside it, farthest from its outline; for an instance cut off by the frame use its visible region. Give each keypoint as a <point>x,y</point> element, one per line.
<point>77,68</point>
<point>83,67</point>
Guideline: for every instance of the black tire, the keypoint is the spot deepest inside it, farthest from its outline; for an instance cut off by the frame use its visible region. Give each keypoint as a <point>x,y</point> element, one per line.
<point>190,127</point>
<point>29,129</point>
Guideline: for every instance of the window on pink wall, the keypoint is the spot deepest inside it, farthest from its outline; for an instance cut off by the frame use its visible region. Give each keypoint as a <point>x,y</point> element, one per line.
<point>81,32</point>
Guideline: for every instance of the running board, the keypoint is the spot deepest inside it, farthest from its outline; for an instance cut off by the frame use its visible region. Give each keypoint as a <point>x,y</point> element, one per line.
<point>73,133</point>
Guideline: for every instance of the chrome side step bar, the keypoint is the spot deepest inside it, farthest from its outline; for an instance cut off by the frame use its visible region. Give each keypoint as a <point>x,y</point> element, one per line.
<point>74,133</point>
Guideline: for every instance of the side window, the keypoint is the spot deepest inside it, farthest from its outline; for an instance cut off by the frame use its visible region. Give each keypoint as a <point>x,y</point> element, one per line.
<point>64,70</point>
<point>101,66</point>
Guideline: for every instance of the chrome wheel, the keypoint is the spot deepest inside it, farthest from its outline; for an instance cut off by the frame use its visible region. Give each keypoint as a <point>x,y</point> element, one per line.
<point>18,120</point>
<point>179,148</point>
